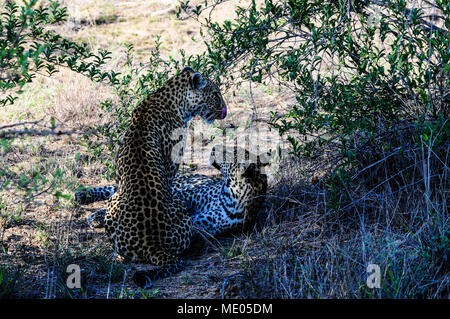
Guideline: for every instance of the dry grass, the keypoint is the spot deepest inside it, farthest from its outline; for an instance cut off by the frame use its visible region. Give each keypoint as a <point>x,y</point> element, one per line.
<point>306,250</point>
<point>299,249</point>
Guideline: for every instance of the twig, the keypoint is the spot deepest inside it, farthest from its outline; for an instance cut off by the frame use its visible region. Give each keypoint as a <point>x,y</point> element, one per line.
<point>171,9</point>
<point>395,152</point>
<point>19,124</point>
<point>40,133</point>
<point>33,196</point>
<point>430,26</point>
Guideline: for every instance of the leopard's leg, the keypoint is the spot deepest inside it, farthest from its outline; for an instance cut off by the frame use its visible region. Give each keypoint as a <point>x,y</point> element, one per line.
<point>169,265</point>
<point>94,194</point>
<point>150,244</point>
<point>97,219</point>
<point>181,224</point>
<point>110,218</point>
<point>167,258</point>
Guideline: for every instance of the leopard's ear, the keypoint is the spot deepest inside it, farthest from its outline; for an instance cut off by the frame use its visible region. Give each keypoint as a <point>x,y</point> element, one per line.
<point>264,159</point>
<point>212,158</point>
<point>188,68</point>
<point>197,81</point>
<point>215,165</point>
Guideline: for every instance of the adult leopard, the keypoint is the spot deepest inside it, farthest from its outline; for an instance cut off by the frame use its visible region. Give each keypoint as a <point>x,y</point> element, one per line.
<point>144,219</point>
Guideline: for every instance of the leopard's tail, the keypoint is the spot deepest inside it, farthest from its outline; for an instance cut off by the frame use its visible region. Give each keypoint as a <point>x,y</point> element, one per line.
<point>145,278</point>
<point>94,194</point>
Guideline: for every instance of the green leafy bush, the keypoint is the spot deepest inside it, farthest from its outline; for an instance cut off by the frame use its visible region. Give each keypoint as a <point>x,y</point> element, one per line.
<point>28,47</point>
<point>370,78</point>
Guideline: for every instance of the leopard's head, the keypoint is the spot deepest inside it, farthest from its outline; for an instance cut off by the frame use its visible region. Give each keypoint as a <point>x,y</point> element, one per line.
<point>205,97</point>
<point>242,171</point>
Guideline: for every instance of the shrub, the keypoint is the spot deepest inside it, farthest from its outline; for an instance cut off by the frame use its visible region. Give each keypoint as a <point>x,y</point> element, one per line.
<point>371,78</point>
<point>28,47</point>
